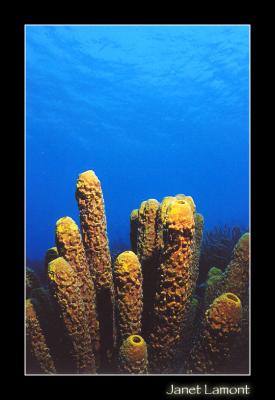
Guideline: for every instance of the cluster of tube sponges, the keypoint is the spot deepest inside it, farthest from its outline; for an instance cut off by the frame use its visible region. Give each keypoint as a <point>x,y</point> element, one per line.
<point>140,315</point>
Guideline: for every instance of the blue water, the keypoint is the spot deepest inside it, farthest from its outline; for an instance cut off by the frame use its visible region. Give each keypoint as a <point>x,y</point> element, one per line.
<point>153,110</point>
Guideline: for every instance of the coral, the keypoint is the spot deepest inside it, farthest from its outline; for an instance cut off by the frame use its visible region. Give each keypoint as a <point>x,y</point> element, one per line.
<point>220,328</point>
<point>236,275</point>
<point>147,235</point>
<point>133,356</point>
<point>134,229</point>
<point>217,247</point>
<point>175,286</point>
<point>41,359</point>
<point>94,234</point>
<point>65,287</point>
<point>128,291</point>
<point>213,285</point>
<point>214,272</point>
<point>32,281</point>
<point>70,247</point>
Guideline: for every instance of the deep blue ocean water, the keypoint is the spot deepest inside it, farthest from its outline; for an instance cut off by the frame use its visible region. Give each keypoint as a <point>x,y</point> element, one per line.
<point>153,110</point>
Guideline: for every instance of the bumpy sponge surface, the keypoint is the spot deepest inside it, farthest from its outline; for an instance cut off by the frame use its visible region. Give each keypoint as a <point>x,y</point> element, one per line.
<point>128,290</point>
<point>133,355</point>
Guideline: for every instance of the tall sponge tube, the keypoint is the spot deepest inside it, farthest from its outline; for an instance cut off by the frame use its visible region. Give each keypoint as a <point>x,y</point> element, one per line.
<point>65,287</point>
<point>175,286</point>
<point>70,247</point>
<point>147,234</point>
<point>128,290</point>
<point>37,347</point>
<point>94,229</point>
<point>94,235</point>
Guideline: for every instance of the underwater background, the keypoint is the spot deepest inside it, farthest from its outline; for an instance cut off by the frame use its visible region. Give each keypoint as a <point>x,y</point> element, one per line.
<point>153,110</point>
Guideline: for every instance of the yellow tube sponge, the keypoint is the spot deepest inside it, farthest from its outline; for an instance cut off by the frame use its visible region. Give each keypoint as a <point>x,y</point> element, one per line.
<point>94,235</point>
<point>70,247</point>
<point>94,230</point>
<point>236,275</point>
<point>220,329</point>
<point>147,252</point>
<point>191,203</point>
<point>134,229</point>
<point>160,219</point>
<point>175,286</point>
<point>36,342</point>
<point>51,254</point>
<point>133,356</point>
<point>147,234</point>
<point>128,291</point>
<point>199,222</point>
<point>65,287</point>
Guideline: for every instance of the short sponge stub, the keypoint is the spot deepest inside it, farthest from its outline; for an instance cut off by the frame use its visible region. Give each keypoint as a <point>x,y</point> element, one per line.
<point>134,348</point>
<point>225,310</point>
<point>60,272</point>
<point>65,225</point>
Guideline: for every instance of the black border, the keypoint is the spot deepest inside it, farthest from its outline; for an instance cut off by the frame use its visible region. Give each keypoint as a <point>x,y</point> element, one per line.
<point>151,387</point>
